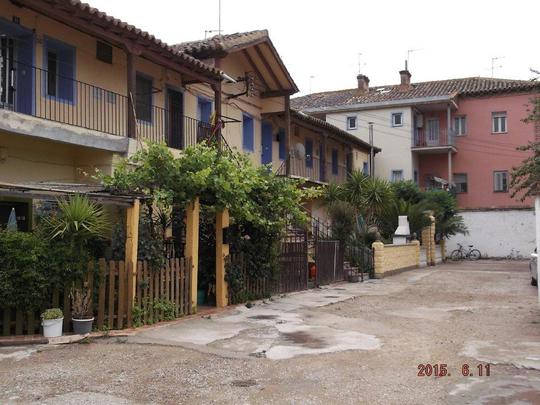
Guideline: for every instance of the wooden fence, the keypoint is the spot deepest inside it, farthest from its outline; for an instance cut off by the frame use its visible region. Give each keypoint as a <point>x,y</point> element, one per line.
<point>118,293</point>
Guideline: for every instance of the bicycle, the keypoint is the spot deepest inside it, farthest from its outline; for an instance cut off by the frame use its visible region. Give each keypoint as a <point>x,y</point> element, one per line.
<point>514,255</point>
<point>460,253</point>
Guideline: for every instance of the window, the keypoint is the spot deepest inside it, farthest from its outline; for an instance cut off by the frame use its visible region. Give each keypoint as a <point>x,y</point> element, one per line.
<point>352,122</point>
<point>498,122</point>
<point>397,175</point>
<point>335,157</point>
<point>365,168</point>
<point>500,181</point>
<point>104,52</point>
<point>143,102</point>
<point>281,140</point>
<point>460,180</point>
<point>460,125</point>
<point>309,153</point>
<point>397,119</point>
<point>60,65</point>
<point>247,133</point>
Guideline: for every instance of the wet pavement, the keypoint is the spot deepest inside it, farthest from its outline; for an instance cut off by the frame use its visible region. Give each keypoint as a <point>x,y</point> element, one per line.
<point>346,343</point>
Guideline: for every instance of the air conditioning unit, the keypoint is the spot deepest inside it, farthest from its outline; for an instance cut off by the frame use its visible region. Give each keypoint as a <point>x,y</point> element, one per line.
<point>419,121</point>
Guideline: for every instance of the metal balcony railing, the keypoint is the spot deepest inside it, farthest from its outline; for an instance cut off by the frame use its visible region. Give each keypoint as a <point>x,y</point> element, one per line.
<point>425,138</point>
<point>311,168</point>
<point>37,92</point>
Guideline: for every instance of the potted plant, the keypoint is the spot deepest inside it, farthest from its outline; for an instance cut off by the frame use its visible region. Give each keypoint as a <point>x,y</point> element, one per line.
<point>52,321</point>
<point>81,311</point>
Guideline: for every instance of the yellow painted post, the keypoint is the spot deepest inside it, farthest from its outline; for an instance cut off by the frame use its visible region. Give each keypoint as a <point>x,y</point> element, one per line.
<point>416,243</point>
<point>432,241</point>
<point>378,259</point>
<point>192,247</point>
<point>132,241</point>
<point>428,240</point>
<point>222,251</point>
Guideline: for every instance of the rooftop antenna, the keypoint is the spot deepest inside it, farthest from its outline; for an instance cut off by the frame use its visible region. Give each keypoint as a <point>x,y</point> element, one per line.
<point>219,30</point>
<point>359,63</point>
<point>409,51</point>
<point>493,67</point>
<point>310,83</point>
<point>536,72</point>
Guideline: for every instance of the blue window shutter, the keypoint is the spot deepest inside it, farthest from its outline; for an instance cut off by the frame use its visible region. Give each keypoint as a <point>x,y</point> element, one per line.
<point>309,153</point>
<point>247,133</point>
<point>281,138</point>
<point>205,110</point>
<point>365,168</point>
<point>335,161</point>
<point>66,61</point>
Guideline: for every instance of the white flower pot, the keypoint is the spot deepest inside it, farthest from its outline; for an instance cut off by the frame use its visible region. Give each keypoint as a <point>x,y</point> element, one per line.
<point>52,327</point>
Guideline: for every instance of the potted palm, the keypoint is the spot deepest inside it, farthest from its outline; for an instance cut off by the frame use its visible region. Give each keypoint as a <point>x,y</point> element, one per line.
<point>52,321</point>
<point>78,222</point>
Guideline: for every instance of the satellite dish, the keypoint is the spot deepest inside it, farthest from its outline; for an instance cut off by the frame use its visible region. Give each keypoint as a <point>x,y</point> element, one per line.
<point>300,150</point>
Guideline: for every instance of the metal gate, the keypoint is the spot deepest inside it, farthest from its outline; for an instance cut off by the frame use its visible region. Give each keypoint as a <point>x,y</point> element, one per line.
<point>328,261</point>
<point>293,260</point>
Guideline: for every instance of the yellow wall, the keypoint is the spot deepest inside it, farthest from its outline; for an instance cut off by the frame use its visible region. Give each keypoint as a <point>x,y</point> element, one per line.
<point>33,160</point>
<point>389,259</point>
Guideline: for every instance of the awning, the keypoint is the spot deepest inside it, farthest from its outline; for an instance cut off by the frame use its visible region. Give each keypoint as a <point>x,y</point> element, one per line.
<point>54,190</point>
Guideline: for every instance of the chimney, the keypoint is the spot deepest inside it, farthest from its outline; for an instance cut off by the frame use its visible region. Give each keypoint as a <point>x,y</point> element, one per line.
<point>405,76</point>
<point>363,83</point>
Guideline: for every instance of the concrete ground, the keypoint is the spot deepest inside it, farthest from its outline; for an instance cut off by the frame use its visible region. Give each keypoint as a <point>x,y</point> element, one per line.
<point>348,343</point>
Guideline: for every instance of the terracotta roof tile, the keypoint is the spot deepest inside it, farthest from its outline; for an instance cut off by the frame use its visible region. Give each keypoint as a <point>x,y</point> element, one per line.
<point>221,43</point>
<point>471,86</point>
<point>97,16</point>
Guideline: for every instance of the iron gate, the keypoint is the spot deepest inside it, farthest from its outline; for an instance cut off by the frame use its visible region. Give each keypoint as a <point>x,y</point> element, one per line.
<point>328,261</point>
<point>293,260</point>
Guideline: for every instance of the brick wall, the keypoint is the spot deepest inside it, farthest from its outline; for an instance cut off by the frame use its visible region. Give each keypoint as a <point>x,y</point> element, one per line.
<point>390,259</point>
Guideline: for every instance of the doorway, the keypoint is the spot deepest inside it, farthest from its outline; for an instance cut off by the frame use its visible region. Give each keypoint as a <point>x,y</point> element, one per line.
<point>7,72</point>
<point>266,143</point>
<point>175,102</point>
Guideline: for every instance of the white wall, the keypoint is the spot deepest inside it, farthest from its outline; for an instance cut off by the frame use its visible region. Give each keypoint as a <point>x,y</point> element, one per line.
<point>496,233</point>
<point>395,142</point>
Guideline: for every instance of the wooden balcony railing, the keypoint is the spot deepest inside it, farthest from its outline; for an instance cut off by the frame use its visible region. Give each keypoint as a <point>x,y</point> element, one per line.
<point>310,168</point>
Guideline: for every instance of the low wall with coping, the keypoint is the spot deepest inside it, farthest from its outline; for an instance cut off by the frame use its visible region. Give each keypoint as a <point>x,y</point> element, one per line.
<point>392,259</point>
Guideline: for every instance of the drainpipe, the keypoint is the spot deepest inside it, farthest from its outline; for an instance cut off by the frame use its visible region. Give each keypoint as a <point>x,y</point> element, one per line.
<point>371,152</point>
<point>288,135</point>
<point>449,140</point>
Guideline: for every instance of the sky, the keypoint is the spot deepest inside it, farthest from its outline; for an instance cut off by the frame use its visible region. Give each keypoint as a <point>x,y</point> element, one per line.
<point>320,41</point>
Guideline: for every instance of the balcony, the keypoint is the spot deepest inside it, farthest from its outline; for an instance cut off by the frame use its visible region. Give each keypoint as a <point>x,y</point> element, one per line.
<point>36,92</point>
<point>310,169</point>
<point>432,140</point>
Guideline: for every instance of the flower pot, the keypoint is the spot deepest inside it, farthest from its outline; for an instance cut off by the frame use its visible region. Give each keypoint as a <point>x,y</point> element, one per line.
<point>52,327</point>
<point>82,326</point>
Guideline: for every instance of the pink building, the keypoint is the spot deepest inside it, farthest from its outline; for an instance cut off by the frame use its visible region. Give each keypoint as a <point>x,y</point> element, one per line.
<point>457,134</point>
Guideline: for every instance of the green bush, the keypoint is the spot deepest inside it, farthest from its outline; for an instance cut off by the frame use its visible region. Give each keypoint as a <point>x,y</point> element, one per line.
<point>23,270</point>
<point>53,313</point>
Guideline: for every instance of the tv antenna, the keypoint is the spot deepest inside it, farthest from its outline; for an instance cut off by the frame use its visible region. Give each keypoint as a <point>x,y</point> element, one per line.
<point>536,72</point>
<point>219,30</point>
<point>310,83</point>
<point>409,51</point>
<point>493,67</point>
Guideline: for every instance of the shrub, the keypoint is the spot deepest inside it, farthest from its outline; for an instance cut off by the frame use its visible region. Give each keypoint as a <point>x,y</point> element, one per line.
<point>53,313</point>
<point>23,270</point>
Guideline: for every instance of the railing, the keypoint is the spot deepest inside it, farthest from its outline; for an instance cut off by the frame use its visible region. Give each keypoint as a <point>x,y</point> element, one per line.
<point>307,168</point>
<point>336,174</point>
<point>425,138</point>
<point>43,94</point>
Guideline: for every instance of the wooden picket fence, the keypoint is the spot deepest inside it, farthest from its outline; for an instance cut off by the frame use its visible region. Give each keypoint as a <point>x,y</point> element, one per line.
<point>117,290</point>
<point>251,287</point>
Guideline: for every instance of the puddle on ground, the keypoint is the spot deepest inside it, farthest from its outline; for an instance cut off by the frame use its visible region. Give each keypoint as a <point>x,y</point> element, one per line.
<point>331,296</point>
<point>304,339</point>
<point>243,383</point>
<point>263,317</point>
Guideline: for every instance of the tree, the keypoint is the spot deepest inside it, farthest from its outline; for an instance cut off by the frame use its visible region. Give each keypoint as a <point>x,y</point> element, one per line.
<point>525,179</point>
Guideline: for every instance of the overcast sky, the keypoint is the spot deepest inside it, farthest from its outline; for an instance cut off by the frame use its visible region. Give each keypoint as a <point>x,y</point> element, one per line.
<point>323,38</point>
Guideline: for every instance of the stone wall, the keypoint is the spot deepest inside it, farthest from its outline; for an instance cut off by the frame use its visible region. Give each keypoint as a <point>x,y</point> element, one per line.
<point>391,259</point>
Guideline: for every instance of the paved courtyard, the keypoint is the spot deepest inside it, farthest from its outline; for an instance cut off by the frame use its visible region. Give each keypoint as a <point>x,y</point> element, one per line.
<point>347,343</point>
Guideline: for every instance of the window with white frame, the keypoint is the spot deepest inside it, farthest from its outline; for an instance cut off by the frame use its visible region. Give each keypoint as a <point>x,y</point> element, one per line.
<point>397,119</point>
<point>500,181</point>
<point>352,122</point>
<point>397,175</point>
<point>460,180</point>
<point>460,125</point>
<point>499,122</point>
